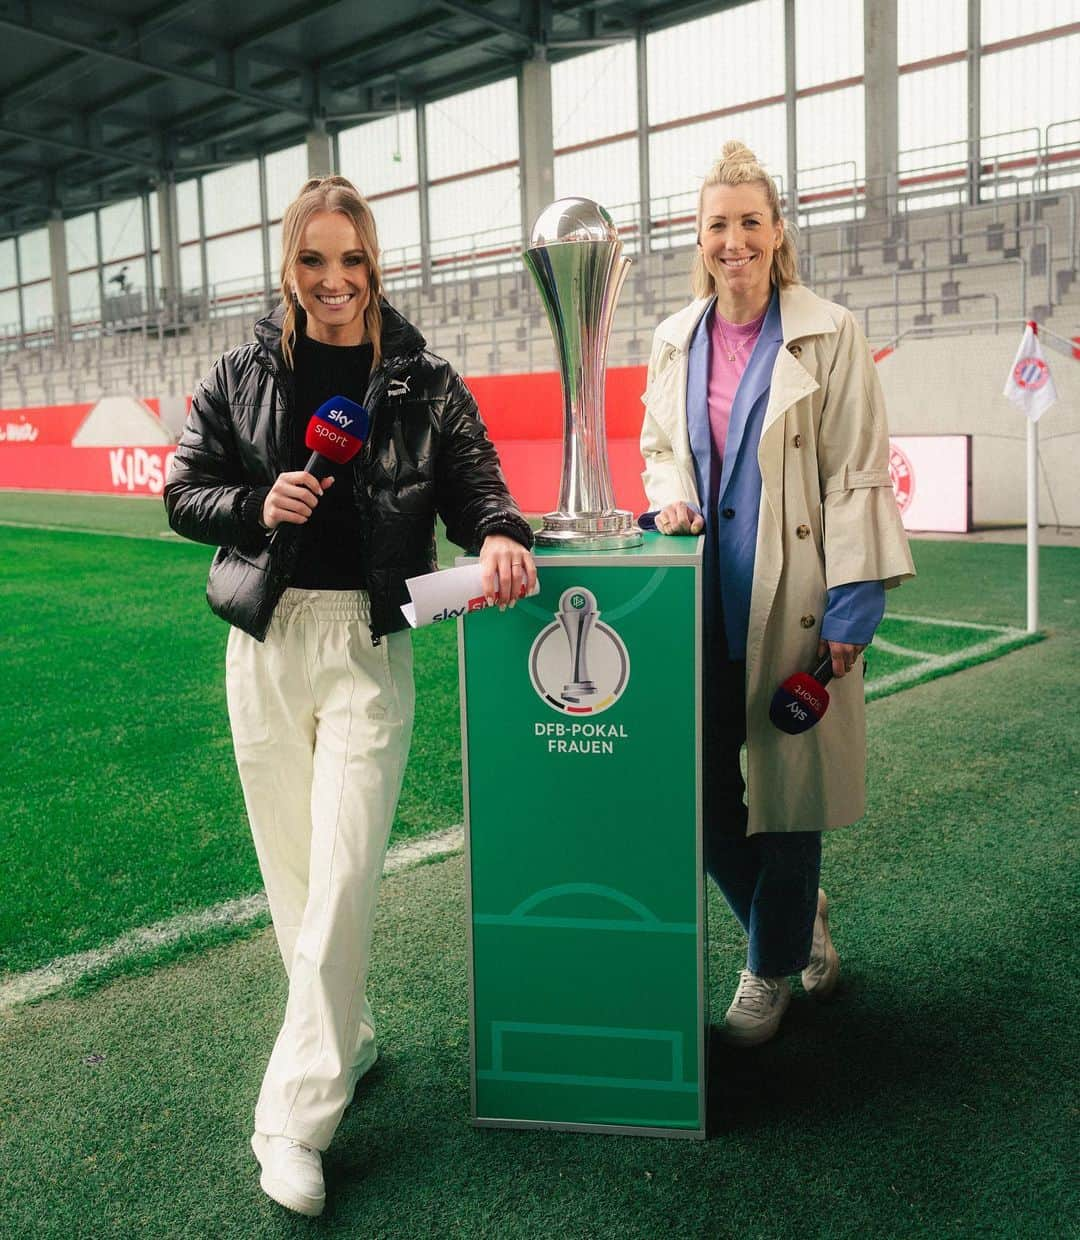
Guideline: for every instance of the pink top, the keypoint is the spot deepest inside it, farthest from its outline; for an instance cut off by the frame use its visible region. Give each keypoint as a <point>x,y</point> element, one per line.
<point>724,375</point>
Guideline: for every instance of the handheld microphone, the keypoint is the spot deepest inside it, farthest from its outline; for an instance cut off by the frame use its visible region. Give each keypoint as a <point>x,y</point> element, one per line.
<point>335,434</point>
<point>801,700</point>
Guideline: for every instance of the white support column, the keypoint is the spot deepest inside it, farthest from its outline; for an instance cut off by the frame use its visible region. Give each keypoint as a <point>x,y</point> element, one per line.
<point>204,266</point>
<point>644,175</point>
<point>880,90</point>
<point>974,99</point>
<point>792,111</point>
<point>58,273</point>
<point>535,141</point>
<point>423,194</point>
<point>264,229</point>
<point>320,152</point>
<point>170,283</point>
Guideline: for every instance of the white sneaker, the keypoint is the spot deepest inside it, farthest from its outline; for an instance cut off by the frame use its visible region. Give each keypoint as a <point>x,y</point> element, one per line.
<point>820,975</point>
<point>291,1173</point>
<point>757,1009</point>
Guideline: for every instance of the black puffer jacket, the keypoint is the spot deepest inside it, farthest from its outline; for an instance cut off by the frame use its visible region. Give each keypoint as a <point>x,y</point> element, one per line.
<point>426,452</point>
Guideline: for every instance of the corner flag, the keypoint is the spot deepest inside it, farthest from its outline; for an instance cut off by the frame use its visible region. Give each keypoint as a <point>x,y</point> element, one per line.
<point>1030,385</point>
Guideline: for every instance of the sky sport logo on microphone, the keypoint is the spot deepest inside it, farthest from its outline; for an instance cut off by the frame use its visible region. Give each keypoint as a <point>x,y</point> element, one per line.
<point>336,431</point>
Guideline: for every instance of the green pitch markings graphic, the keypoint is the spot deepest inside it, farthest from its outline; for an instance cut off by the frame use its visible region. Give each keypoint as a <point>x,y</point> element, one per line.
<point>908,650</point>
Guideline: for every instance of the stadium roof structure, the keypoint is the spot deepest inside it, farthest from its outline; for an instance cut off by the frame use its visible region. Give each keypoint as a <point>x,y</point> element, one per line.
<point>100,102</point>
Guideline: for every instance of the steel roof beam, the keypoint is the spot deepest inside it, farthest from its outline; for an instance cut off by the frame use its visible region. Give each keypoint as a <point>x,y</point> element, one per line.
<point>259,98</point>
<point>117,156</point>
<point>467,9</point>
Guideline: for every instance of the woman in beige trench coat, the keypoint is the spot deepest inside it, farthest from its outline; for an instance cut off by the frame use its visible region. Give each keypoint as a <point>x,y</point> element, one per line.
<point>764,426</point>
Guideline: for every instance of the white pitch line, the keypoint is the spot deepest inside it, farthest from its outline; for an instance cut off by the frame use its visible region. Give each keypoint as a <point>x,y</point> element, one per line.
<point>950,624</point>
<point>38,983</point>
<point>937,662</point>
<point>170,535</point>
<point>904,651</point>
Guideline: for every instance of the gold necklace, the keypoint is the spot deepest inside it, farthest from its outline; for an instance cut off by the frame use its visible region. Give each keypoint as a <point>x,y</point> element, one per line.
<point>727,347</point>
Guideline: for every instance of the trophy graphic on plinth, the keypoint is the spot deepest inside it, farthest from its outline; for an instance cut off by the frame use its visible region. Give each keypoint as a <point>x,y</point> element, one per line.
<point>575,257</point>
<point>577,614</point>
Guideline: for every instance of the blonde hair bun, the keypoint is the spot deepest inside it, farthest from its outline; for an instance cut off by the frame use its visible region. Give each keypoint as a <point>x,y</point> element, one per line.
<point>737,153</point>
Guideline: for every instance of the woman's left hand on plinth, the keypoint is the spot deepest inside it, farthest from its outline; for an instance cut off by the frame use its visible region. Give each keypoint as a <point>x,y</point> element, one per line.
<point>507,570</point>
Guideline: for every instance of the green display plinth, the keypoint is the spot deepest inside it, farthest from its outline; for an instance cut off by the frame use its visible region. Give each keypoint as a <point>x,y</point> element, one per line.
<point>581,720</point>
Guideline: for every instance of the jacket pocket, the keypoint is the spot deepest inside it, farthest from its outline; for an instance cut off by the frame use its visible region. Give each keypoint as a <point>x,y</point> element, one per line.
<point>239,589</point>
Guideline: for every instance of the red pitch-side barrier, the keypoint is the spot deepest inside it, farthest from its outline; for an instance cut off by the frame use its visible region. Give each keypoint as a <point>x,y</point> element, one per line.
<point>523,414</point>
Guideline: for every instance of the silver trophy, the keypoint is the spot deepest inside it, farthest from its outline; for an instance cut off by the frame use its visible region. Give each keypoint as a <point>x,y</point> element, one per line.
<point>577,614</point>
<point>575,257</point>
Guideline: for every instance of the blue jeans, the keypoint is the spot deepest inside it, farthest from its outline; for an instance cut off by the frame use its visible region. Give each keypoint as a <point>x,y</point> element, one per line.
<point>770,879</point>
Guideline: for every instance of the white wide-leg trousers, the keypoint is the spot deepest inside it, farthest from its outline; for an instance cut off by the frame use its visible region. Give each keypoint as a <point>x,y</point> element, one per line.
<point>321,722</point>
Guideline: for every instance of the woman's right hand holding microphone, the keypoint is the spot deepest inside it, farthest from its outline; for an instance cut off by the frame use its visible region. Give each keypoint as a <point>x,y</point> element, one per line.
<point>292,498</point>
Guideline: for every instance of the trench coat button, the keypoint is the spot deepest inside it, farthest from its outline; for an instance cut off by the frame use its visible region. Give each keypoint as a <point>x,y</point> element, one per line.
<point>795,350</point>
<point>728,512</point>
<point>808,622</point>
<point>803,531</point>
<point>796,441</point>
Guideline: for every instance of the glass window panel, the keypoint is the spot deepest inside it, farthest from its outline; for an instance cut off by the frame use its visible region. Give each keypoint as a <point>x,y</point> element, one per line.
<point>37,306</point>
<point>9,314</point>
<point>1028,88</point>
<point>7,263</point>
<point>463,211</point>
<point>122,230</point>
<point>594,95</point>
<point>34,255</point>
<point>397,220</point>
<point>275,254</point>
<point>926,28</point>
<point>80,236</point>
<point>608,174</point>
<point>286,171</point>
<point>187,209</point>
<point>831,149</point>
<point>828,41</point>
<point>380,156</point>
<point>235,261</point>
<point>680,158</point>
<point>231,197</point>
<point>1005,19</point>
<point>85,297</point>
<point>932,111</point>
<point>475,129</point>
<point>190,267</point>
<point>692,72</point>
<point>134,273</point>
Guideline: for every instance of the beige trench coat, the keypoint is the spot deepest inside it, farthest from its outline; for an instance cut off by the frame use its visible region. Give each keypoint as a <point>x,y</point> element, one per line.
<point>823,455</point>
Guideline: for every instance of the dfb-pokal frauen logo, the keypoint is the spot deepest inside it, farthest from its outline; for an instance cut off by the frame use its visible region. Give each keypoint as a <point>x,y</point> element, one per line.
<point>576,664</point>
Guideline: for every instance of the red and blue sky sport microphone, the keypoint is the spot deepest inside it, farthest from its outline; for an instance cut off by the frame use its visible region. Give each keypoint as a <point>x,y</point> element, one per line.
<point>335,434</point>
<point>801,700</point>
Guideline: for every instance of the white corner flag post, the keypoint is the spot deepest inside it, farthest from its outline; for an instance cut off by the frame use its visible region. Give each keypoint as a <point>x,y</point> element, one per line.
<point>1030,387</point>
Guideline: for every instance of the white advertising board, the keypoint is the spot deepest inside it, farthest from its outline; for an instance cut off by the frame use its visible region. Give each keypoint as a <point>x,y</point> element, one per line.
<point>931,475</point>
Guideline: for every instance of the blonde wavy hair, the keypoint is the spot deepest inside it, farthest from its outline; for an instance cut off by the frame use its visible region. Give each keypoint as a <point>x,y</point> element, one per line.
<point>738,165</point>
<point>332,193</point>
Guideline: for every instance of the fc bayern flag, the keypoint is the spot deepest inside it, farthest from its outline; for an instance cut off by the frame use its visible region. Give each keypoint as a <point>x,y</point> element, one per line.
<point>1030,385</point>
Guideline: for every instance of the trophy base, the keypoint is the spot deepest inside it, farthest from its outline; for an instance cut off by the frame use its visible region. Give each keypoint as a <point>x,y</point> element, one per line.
<point>578,689</point>
<point>607,531</point>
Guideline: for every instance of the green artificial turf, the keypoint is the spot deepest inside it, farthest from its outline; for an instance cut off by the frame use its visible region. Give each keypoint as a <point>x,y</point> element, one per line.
<point>123,806</point>
<point>934,1097</point>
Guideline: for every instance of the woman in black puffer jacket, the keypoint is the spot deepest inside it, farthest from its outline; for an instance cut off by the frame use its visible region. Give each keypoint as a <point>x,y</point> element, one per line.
<point>311,576</point>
